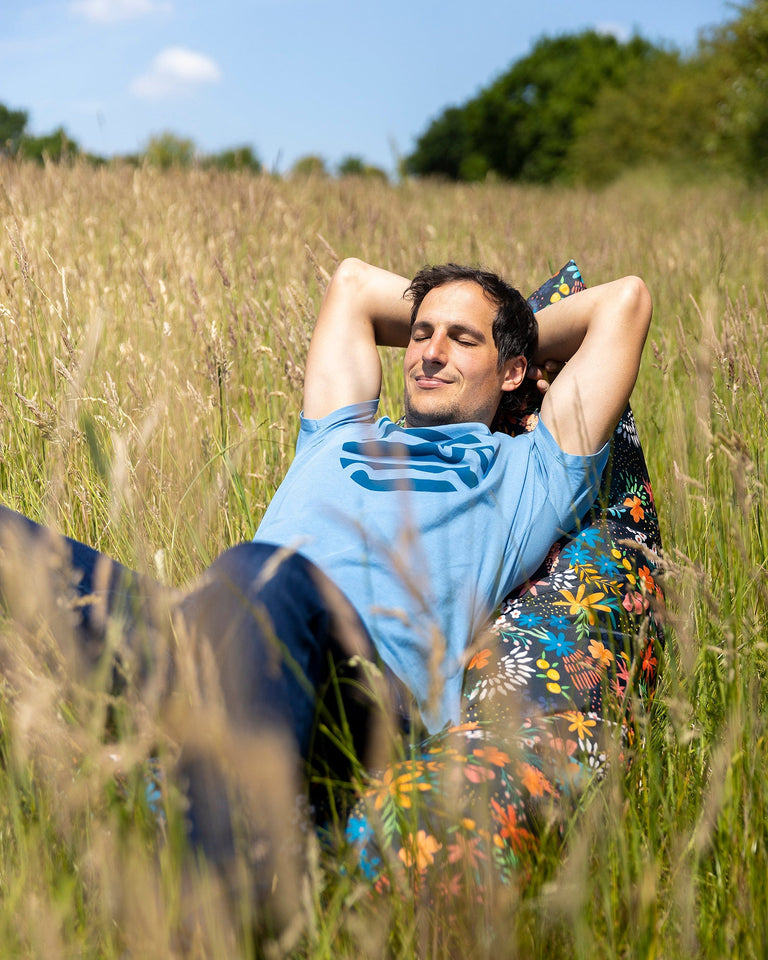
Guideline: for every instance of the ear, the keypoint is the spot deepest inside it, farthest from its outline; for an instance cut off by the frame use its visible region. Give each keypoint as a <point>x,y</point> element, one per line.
<point>514,373</point>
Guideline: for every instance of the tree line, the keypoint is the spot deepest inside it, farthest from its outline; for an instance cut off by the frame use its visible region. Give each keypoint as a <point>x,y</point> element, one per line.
<point>585,107</point>
<point>165,150</point>
<point>580,107</point>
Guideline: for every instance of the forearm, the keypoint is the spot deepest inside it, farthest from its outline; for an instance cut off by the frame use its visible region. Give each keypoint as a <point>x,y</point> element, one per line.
<point>563,325</point>
<point>601,332</point>
<point>371,295</point>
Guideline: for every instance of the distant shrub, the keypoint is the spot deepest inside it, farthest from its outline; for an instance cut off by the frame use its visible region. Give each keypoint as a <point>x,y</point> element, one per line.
<point>310,165</point>
<point>355,166</point>
<point>235,158</point>
<point>167,150</point>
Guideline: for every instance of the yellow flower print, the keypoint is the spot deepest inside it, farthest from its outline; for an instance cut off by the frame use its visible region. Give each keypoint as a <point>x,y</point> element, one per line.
<point>551,674</point>
<point>581,600</point>
<point>398,786</point>
<point>580,724</point>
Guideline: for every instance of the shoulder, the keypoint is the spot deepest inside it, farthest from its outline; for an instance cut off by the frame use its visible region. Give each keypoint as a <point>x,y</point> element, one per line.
<point>354,414</point>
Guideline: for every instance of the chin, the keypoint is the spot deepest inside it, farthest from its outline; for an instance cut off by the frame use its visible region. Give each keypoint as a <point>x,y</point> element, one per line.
<point>432,416</point>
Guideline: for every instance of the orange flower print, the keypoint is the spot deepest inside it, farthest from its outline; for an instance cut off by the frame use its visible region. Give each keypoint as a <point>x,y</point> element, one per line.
<point>479,660</point>
<point>534,780</point>
<point>635,505</point>
<point>649,661</point>
<point>463,728</point>
<point>419,850</point>
<point>600,652</point>
<point>519,838</point>
<point>621,681</point>
<point>493,755</point>
<point>647,580</point>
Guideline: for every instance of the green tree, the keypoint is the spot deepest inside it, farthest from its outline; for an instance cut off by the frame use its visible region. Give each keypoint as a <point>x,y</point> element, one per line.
<point>664,114</point>
<point>166,150</point>
<point>351,166</point>
<point>740,49</point>
<point>443,146</point>
<point>522,126</point>
<point>310,165</point>
<point>56,147</point>
<point>707,112</point>
<point>235,158</point>
<point>354,166</point>
<point>12,126</point>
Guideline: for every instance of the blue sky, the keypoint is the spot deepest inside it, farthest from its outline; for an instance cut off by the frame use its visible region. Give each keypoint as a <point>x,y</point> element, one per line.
<point>288,77</point>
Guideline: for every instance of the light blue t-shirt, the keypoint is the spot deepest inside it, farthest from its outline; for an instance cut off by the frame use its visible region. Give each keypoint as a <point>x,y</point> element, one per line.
<point>426,530</point>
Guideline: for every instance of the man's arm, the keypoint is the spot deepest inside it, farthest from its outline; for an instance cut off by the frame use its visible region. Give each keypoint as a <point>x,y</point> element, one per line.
<point>362,307</point>
<point>601,333</point>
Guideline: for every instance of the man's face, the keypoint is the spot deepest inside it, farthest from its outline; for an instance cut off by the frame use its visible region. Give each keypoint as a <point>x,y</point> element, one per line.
<point>451,362</point>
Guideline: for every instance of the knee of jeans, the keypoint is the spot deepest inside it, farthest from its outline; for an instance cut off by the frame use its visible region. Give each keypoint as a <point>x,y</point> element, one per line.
<point>258,569</point>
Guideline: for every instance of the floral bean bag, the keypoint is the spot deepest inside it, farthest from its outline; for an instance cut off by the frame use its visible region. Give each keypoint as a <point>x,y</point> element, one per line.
<point>544,694</point>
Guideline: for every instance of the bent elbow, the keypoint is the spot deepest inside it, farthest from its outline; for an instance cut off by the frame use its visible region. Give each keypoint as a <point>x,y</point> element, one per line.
<point>637,304</point>
<point>350,272</point>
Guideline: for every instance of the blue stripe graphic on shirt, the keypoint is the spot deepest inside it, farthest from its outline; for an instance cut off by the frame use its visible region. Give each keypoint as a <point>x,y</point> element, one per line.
<point>464,459</point>
<point>402,483</point>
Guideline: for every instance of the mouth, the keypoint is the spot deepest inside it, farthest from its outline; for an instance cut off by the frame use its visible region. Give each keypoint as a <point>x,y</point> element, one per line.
<point>430,383</point>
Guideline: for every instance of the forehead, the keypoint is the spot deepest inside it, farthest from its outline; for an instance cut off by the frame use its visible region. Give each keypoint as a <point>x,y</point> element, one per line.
<point>461,301</point>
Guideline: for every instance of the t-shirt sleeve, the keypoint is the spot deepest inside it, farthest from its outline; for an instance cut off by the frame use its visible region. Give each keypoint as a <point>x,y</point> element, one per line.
<point>572,480</point>
<point>313,431</point>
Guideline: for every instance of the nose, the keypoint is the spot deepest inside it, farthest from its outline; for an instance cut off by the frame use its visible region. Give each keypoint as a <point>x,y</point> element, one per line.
<point>435,348</point>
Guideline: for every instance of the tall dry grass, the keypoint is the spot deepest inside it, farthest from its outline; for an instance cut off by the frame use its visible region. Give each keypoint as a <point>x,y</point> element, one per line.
<point>153,334</point>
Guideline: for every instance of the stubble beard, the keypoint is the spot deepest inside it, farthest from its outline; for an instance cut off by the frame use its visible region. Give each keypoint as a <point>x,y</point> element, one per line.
<point>435,416</point>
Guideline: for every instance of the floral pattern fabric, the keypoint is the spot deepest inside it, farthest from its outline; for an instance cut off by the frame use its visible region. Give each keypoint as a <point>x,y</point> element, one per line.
<point>545,693</point>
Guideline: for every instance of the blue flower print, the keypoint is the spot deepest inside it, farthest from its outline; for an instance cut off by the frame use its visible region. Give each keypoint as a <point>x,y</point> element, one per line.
<point>528,619</point>
<point>577,552</point>
<point>558,643</point>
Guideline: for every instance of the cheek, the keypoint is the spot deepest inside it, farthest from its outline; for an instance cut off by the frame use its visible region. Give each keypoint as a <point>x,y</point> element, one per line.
<point>412,355</point>
<point>485,373</point>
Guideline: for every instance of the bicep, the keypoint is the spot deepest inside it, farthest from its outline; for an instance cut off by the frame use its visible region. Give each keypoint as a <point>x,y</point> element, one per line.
<point>343,365</point>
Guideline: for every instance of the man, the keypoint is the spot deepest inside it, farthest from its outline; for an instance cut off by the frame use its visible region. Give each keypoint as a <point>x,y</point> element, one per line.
<point>426,527</point>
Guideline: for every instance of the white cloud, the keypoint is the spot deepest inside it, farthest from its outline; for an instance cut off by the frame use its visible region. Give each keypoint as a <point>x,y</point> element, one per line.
<point>175,70</point>
<point>615,29</point>
<point>113,11</point>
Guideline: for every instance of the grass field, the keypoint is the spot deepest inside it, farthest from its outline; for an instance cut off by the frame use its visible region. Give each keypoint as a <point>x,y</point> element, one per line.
<point>153,331</point>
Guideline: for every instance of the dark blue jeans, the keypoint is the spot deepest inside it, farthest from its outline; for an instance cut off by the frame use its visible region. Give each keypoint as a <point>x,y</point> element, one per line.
<point>281,633</point>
